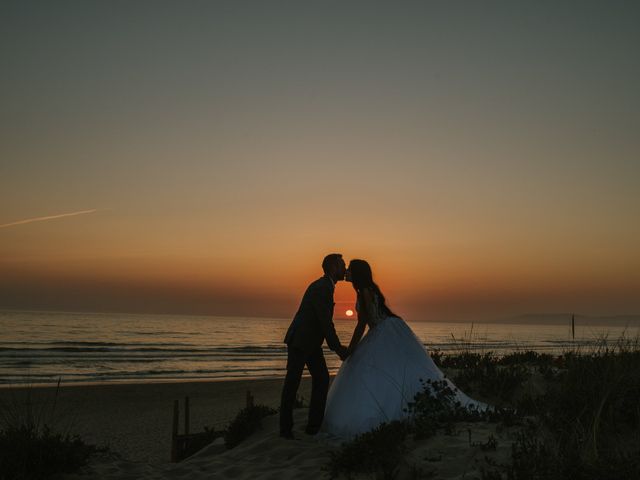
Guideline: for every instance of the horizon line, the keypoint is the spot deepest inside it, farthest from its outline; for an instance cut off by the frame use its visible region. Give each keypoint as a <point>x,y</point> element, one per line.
<point>497,320</point>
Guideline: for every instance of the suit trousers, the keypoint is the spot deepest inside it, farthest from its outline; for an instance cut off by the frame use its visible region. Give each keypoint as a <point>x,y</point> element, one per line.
<point>296,361</point>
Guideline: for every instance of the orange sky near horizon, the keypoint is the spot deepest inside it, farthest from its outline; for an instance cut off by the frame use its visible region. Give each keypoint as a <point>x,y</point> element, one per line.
<point>96,270</point>
<point>203,159</point>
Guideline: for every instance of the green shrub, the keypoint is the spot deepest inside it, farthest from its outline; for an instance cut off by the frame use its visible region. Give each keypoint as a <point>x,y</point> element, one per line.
<point>528,357</point>
<point>30,449</point>
<point>532,458</point>
<point>435,407</point>
<point>31,454</point>
<point>590,418</point>
<point>586,425</point>
<point>248,420</point>
<point>378,451</point>
<point>488,377</point>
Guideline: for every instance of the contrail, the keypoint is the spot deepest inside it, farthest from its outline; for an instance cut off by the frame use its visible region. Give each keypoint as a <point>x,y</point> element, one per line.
<point>50,217</point>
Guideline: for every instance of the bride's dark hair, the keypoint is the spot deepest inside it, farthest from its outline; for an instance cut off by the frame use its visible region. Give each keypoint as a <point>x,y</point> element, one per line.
<point>361,277</point>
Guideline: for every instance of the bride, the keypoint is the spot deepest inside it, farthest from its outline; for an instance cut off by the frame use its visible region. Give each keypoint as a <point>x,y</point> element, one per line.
<point>385,368</point>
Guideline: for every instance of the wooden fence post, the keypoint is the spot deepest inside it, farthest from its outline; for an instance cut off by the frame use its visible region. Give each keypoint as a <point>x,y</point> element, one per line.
<point>186,415</point>
<point>174,432</point>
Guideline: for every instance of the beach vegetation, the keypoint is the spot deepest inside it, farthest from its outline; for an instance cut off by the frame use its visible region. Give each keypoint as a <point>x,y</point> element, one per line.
<point>30,453</point>
<point>31,447</point>
<point>588,419</point>
<point>583,423</point>
<point>379,451</point>
<point>489,375</point>
<point>436,408</point>
<point>197,442</point>
<point>247,421</point>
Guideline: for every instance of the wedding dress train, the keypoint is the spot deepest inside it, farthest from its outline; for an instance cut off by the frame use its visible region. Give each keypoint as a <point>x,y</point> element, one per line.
<point>375,384</point>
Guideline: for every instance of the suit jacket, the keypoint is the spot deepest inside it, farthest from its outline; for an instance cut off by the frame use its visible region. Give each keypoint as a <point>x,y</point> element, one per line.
<point>313,323</point>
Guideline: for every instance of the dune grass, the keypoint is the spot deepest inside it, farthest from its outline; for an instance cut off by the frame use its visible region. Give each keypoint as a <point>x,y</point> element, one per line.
<point>32,444</point>
<point>247,421</point>
<point>582,421</point>
<point>588,419</point>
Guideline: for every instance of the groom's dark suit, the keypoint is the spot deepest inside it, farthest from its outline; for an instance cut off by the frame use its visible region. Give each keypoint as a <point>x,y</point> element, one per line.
<point>312,324</point>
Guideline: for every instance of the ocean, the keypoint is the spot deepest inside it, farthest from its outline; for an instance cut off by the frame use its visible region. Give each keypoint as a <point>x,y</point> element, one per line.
<point>42,347</point>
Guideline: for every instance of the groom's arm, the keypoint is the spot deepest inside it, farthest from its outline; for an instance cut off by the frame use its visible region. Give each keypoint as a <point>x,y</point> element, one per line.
<point>323,307</point>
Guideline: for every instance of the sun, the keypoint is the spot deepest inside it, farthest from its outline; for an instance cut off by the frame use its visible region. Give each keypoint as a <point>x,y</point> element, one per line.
<point>349,313</point>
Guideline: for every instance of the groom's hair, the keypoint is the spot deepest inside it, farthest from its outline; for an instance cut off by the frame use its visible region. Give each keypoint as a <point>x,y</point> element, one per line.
<point>330,260</point>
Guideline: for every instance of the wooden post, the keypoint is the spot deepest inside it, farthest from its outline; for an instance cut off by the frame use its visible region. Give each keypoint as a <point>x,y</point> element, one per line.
<point>186,415</point>
<point>249,399</point>
<point>573,326</point>
<point>174,432</point>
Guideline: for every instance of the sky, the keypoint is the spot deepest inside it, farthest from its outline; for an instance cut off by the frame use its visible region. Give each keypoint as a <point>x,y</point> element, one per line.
<point>203,157</point>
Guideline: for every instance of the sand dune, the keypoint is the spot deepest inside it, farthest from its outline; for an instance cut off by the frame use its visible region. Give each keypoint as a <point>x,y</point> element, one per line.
<point>266,456</point>
<point>135,422</point>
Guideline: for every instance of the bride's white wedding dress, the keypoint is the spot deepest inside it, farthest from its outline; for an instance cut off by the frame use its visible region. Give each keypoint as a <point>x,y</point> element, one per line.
<point>382,375</point>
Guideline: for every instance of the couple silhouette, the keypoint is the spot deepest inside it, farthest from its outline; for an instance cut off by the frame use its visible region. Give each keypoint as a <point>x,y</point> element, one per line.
<point>381,372</point>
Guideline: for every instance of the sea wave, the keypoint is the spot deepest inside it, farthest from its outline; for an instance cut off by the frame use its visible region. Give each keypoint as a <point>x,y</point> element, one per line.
<point>135,348</point>
<point>40,347</point>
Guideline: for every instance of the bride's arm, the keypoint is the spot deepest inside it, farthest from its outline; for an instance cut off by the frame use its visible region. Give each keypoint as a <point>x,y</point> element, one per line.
<point>357,334</point>
<point>363,316</point>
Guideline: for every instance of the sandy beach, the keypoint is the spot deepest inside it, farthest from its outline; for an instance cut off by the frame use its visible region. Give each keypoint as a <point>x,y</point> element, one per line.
<point>541,393</point>
<point>135,421</point>
<point>265,455</point>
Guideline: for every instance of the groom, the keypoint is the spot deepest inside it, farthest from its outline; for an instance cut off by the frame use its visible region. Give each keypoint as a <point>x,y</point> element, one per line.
<point>312,324</point>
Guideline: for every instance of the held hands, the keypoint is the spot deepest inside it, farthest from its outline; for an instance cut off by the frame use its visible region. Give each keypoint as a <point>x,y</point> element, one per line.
<point>343,352</point>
